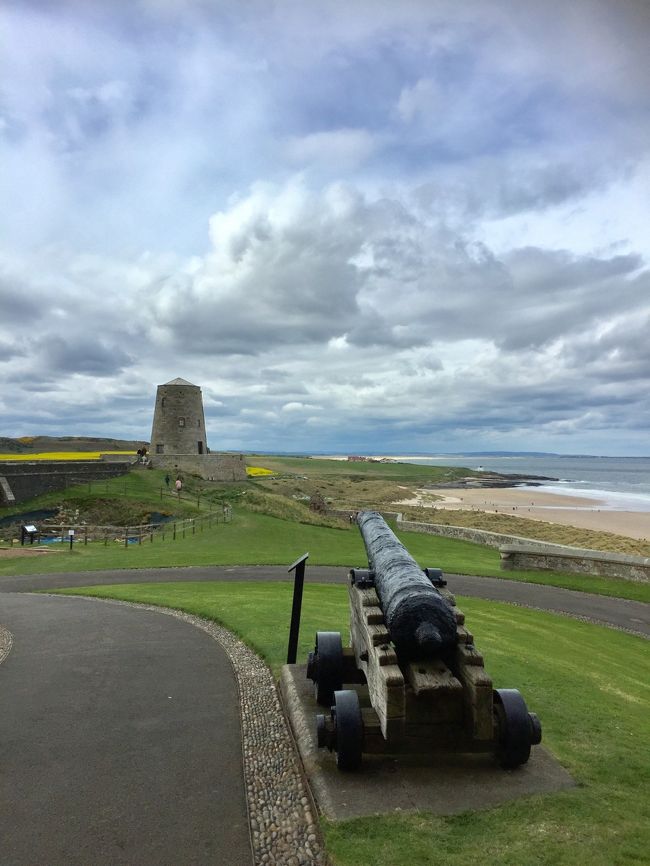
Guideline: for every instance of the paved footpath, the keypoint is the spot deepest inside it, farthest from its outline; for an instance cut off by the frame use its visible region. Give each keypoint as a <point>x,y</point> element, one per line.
<point>120,739</point>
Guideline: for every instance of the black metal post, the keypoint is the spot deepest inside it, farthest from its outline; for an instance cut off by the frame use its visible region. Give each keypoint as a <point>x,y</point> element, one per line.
<point>298,583</point>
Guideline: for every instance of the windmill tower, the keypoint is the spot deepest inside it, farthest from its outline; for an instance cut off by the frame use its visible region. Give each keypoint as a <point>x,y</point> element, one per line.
<point>178,420</point>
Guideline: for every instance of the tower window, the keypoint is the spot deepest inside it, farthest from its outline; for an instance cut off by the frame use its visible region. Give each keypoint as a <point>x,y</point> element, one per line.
<point>198,423</point>
<point>160,449</point>
<point>181,422</point>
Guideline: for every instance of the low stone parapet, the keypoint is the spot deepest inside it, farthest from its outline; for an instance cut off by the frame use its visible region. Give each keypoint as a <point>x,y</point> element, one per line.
<point>576,561</point>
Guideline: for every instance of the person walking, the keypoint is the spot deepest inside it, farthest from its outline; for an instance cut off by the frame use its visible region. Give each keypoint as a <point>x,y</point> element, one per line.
<point>179,486</point>
<point>167,480</point>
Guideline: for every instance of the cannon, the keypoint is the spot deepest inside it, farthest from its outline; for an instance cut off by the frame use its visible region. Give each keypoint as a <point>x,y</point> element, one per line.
<point>412,681</point>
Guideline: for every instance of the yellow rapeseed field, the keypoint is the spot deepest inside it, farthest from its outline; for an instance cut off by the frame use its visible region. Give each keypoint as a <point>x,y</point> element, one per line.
<point>64,455</point>
<point>257,471</point>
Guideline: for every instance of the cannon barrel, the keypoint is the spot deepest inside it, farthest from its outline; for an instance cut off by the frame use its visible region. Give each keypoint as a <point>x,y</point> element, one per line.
<point>420,621</point>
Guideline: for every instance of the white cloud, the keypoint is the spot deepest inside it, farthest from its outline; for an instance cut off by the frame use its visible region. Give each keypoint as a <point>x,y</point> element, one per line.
<point>339,149</point>
<point>424,98</point>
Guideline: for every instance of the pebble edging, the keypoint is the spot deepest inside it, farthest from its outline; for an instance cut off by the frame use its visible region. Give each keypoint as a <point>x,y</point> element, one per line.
<point>6,642</point>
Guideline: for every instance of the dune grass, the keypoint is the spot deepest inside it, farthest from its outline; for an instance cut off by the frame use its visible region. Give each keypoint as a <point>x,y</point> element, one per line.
<point>588,684</point>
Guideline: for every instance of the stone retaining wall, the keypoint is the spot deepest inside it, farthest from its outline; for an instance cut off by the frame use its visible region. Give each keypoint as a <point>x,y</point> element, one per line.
<point>26,479</point>
<point>464,533</point>
<point>576,561</point>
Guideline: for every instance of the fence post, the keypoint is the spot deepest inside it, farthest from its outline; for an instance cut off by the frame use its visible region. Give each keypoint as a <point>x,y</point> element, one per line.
<point>126,536</point>
<point>85,535</point>
<point>174,539</point>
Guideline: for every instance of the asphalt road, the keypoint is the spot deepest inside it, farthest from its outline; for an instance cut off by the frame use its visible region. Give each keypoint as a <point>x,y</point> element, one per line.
<point>616,612</point>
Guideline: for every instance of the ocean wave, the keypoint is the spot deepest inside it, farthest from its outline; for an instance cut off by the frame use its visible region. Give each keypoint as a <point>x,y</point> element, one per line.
<point>606,500</point>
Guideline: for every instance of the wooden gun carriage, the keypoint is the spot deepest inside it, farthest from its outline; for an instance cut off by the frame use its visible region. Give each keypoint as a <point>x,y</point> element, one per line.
<point>414,680</point>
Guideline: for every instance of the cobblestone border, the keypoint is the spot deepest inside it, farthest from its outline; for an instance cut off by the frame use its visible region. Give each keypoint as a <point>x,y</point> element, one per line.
<point>6,642</point>
<point>282,816</point>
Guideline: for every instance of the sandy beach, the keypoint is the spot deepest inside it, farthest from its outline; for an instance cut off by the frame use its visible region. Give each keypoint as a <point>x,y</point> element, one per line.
<point>566,510</point>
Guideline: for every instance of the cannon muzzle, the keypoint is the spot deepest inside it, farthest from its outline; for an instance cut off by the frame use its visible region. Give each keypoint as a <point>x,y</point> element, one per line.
<point>420,621</point>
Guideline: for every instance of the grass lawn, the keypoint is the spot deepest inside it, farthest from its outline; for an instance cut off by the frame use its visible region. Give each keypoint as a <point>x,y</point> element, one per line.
<point>258,539</point>
<point>588,684</point>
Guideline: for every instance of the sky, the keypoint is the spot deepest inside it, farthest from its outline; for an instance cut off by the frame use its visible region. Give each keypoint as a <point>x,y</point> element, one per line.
<point>358,226</point>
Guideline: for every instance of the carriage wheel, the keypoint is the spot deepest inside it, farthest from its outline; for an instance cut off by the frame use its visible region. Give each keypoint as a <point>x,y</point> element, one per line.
<point>325,666</point>
<point>348,727</point>
<point>517,729</point>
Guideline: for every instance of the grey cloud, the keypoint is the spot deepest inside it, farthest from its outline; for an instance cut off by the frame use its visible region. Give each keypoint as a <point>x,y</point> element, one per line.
<point>82,355</point>
<point>9,350</point>
<point>18,303</point>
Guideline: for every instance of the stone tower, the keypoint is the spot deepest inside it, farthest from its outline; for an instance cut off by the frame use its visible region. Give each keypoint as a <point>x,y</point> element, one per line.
<point>178,437</point>
<point>178,420</point>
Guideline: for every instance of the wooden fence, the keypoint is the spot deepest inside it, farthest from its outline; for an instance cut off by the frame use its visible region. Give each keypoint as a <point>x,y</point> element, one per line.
<point>142,533</point>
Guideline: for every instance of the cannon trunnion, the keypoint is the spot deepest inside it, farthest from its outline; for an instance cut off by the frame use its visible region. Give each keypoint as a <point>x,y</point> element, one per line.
<point>412,681</point>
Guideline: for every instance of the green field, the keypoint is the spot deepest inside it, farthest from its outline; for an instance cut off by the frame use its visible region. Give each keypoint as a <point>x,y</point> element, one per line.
<point>588,684</point>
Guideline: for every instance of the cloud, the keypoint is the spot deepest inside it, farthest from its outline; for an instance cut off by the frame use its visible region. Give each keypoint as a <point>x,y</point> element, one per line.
<point>422,98</point>
<point>85,356</point>
<point>339,149</point>
<point>408,223</point>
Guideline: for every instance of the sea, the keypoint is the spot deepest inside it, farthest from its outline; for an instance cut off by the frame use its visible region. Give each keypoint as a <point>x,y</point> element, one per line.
<point>619,483</point>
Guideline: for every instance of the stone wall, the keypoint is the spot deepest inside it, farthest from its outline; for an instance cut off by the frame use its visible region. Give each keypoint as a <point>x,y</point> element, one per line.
<point>211,467</point>
<point>576,561</point>
<point>464,533</point>
<point>478,536</point>
<point>25,479</point>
